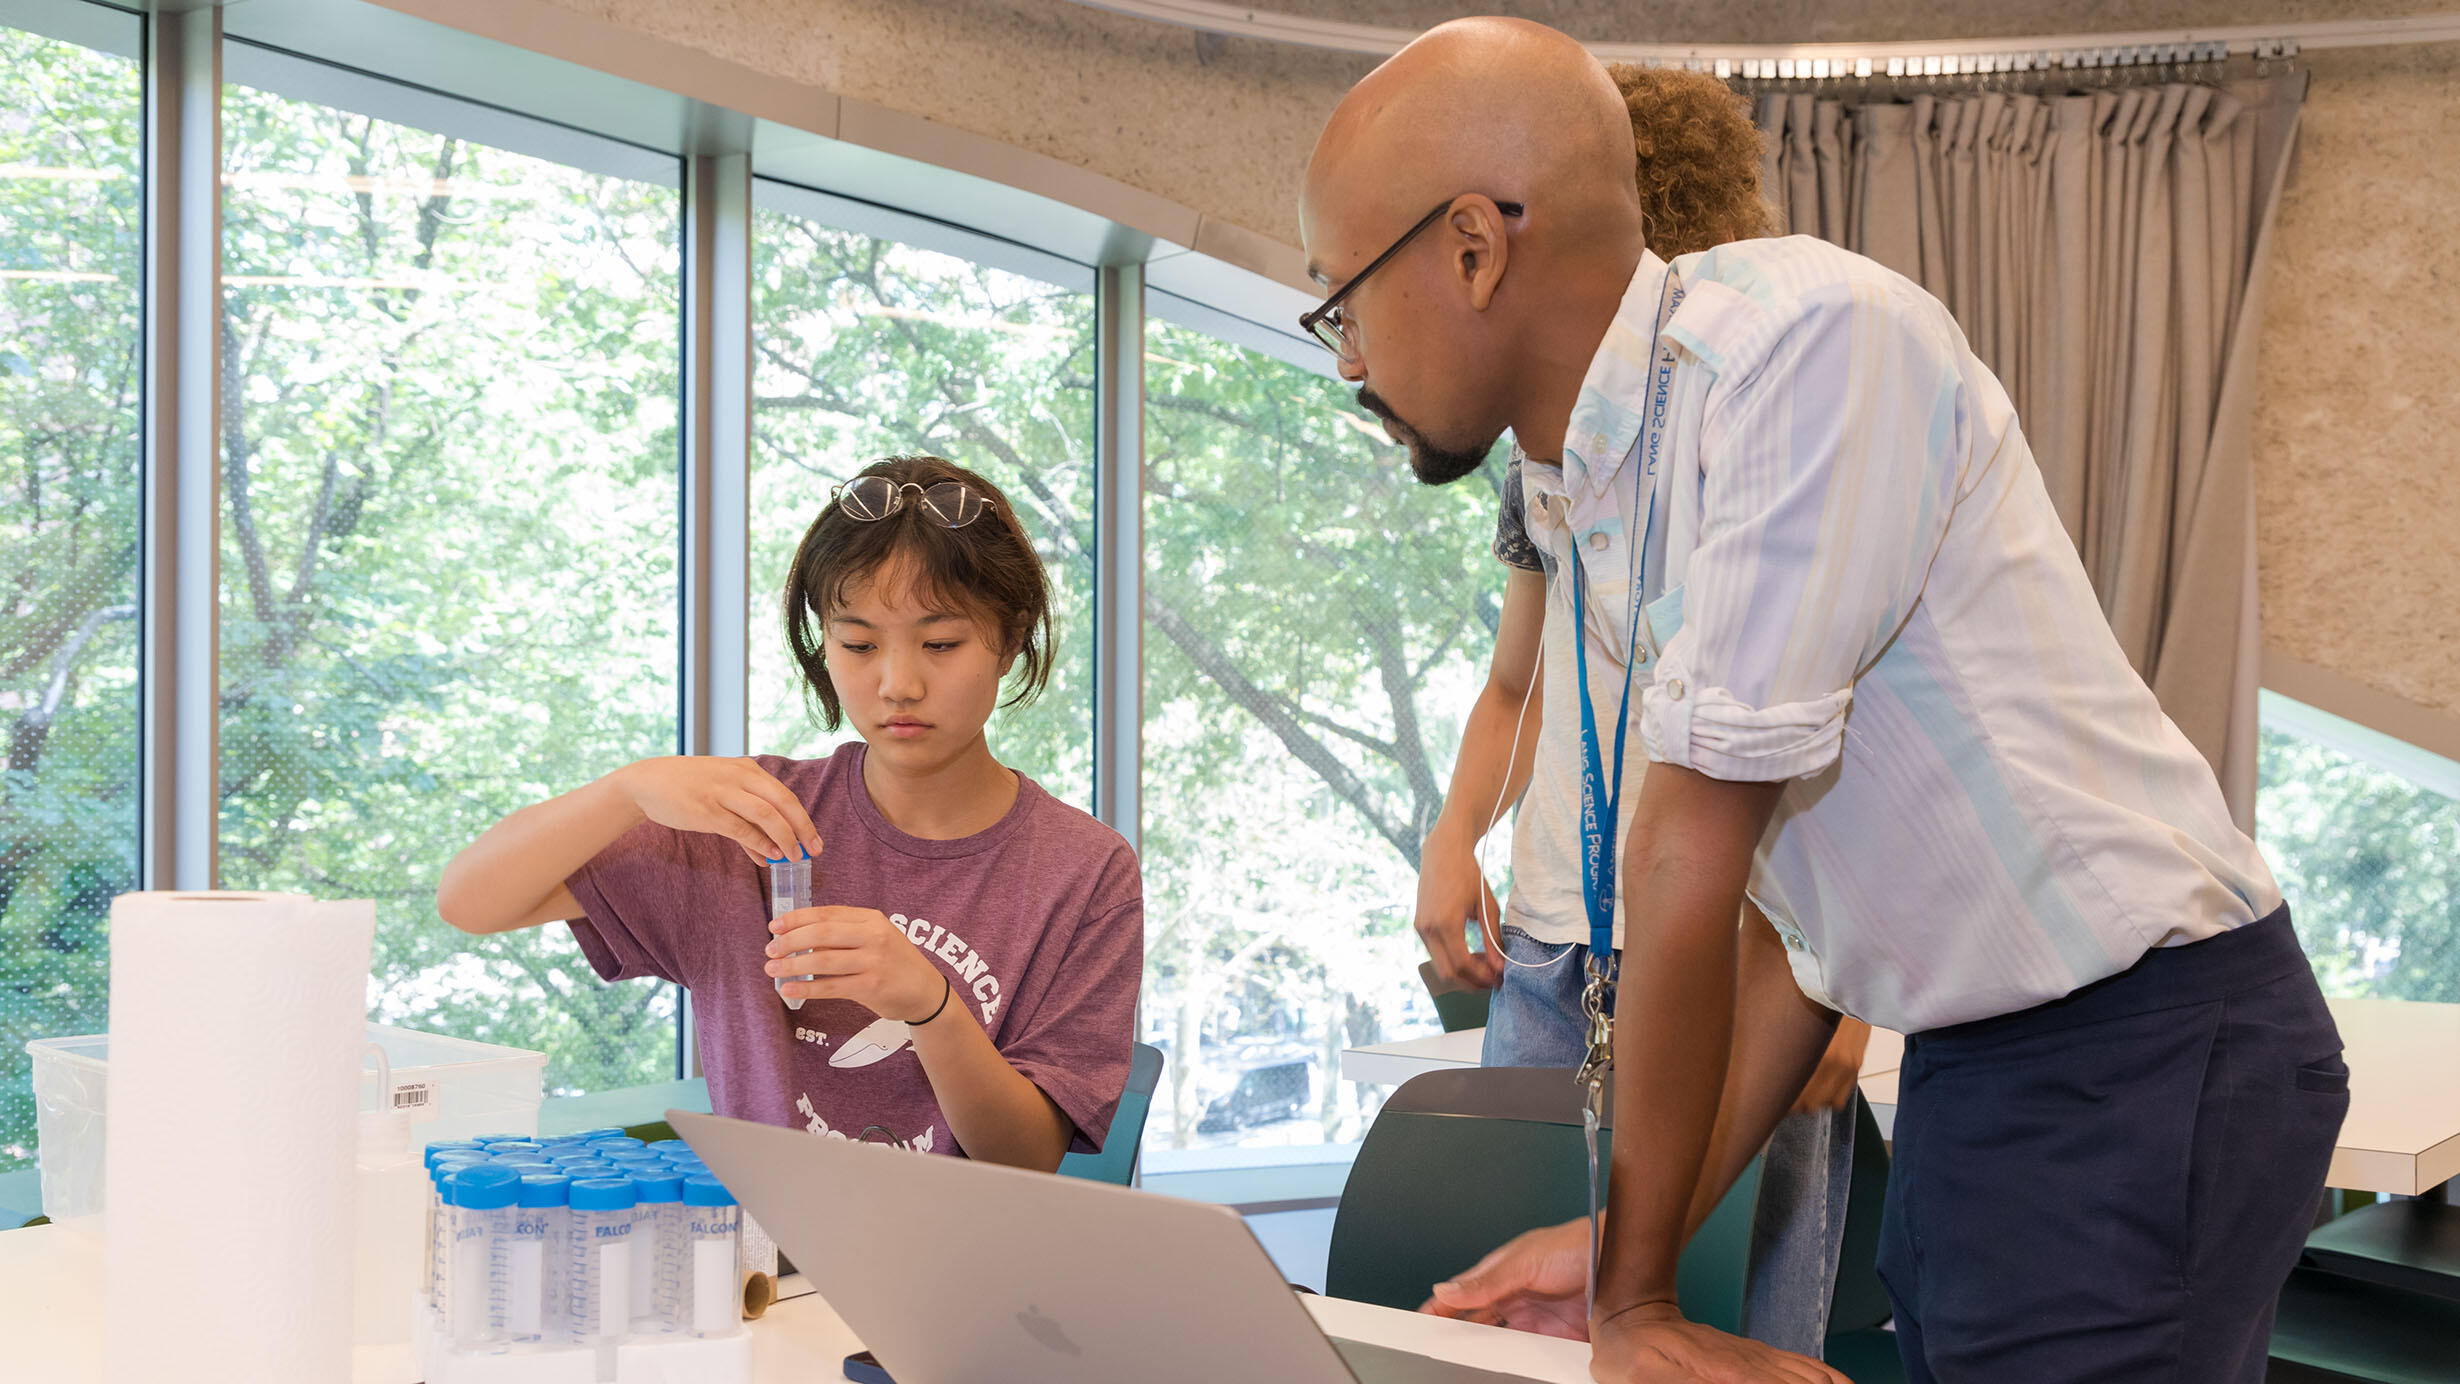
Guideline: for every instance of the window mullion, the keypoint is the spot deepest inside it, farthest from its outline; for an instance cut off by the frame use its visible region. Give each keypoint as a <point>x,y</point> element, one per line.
<point>180,674</point>
<point>1118,599</point>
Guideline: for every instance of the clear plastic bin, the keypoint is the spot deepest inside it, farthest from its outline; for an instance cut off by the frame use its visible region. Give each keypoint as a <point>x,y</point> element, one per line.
<point>451,1087</point>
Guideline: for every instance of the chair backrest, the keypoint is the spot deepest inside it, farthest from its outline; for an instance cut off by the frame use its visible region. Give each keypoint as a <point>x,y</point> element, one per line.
<point>1457,1162</point>
<point>1116,1163</point>
<point>1456,1008</point>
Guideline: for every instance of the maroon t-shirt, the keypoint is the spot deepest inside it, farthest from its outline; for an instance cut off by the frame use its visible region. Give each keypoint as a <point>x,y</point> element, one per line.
<point>1037,921</point>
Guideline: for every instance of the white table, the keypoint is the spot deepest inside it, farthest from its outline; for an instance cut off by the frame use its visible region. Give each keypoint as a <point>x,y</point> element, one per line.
<point>2402,1135</point>
<point>51,1325</point>
<point>1390,1064</point>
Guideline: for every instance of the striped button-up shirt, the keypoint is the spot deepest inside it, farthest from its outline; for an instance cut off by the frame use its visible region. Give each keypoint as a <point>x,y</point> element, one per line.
<point>1860,588</point>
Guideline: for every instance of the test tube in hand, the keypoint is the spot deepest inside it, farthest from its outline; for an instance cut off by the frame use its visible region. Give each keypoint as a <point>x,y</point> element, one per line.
<point>790,889</point>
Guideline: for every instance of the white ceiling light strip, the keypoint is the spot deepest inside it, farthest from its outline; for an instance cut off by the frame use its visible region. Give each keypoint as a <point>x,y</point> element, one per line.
<point>1815,61</point>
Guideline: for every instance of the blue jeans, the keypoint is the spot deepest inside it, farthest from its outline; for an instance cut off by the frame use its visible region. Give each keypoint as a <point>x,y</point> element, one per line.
<point>1798,1226</point>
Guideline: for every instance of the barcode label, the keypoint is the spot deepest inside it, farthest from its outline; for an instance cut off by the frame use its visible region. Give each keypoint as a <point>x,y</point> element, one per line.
<point>419,1098</point>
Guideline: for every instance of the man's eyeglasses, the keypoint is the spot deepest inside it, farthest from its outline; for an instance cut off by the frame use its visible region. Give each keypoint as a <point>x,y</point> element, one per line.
<point>1331,326</point>
<point>948,503</point>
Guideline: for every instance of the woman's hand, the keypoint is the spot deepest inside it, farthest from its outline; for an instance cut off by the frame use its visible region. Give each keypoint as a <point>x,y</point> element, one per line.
<point>1537,1281</point>
<point>733,798</point>
<point>1831,1085</point>
<point>855,954</point>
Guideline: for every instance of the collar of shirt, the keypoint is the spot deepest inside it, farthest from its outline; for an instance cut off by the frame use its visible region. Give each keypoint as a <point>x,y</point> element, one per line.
<point>1606,419</point>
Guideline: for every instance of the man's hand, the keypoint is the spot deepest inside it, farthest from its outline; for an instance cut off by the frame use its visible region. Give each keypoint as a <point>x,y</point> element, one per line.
<point>856,954</point>
<point>1832,1083</point>
<point>1536,1282</point>
<point>1652,1344</point>
<point>1451,891</point>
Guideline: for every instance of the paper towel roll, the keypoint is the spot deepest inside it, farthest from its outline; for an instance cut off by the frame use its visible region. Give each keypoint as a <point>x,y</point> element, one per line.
<point>236,1033</point>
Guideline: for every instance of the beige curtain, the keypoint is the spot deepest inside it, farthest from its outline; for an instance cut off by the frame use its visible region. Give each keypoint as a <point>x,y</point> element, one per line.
<point>2104,252</point>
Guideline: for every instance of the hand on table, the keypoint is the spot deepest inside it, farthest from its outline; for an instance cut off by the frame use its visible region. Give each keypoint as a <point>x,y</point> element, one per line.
<point>733,798</point>
<point>1451,891</point>
<point>1832,1083</point>
<point>1536,1282</point>
<point>1652,1344</point>
<point>855,954</point>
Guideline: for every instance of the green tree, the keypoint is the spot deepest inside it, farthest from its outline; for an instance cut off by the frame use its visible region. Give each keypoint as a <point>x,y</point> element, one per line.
<point>2370,864</point>
<point>68,541</point>
<point>448,450</point>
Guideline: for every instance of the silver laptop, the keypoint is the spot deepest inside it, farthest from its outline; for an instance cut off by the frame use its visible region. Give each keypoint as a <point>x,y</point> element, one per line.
<point>954,1272</point>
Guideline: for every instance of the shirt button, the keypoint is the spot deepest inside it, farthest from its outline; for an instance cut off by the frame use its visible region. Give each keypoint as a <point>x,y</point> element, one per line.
<point>1597,541</point>
<point>1674,689</point>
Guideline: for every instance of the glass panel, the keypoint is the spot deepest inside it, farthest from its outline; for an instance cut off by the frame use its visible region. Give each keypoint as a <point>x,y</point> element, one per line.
<point>2368,857</point>
<point>449,540</point>
<point>866,348</point>
<point>1316,626</point>
<point>70,131</point>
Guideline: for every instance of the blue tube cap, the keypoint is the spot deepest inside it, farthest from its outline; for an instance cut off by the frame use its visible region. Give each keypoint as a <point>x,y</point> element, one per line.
<point>485,1188</point>
<point>516,1146</point>
<point>529,1166</point>
<point>658,1188</point>
<point>706,1191</point>
<point>615,1142</point>
<point>502,1138</point>
<point>603,1194</point>
<point>546,1189</point>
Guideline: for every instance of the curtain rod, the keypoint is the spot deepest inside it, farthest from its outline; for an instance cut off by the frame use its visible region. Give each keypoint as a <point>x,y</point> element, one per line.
<point>1797,61</point>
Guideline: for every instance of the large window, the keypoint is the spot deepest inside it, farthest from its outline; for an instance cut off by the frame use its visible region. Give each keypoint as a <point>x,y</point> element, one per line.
<point>450,578</point>
<point>449,538</point>
<point>2365,834</point>
<point>865,347</point>
<point>69,371</point>
<point>1316,625</point>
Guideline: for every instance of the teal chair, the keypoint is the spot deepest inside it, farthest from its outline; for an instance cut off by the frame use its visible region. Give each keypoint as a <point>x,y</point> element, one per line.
<point>1116,1163</point>
<point>1456,1007</point>
<point>1457,1162</point>
<point>2376,1298</point>
<point>21,1199</point>
<point>2410,1245</point>
<point>2332,1328</point>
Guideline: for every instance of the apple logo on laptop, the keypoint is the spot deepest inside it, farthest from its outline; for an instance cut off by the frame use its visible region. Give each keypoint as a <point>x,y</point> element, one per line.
<point>1046,1330</point>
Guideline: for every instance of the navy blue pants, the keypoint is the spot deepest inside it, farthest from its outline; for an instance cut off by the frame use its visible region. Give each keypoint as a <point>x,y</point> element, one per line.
<point>2113,1186</point>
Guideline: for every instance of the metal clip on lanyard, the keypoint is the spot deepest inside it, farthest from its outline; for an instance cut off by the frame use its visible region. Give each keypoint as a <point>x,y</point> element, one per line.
<point>1601,807</point>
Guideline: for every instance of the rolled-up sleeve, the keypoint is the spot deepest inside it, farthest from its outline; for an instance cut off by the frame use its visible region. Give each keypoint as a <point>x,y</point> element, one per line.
<point>1828,471</point>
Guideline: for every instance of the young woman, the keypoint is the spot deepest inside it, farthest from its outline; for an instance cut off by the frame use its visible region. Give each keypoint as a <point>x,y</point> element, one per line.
<point>975,945</point>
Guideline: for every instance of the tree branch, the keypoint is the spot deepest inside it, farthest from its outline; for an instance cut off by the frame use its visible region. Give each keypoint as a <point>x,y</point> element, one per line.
<point>1215,663</point>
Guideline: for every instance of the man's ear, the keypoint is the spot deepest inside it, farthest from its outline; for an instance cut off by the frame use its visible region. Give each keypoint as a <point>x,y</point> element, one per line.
<point>1479,249</point>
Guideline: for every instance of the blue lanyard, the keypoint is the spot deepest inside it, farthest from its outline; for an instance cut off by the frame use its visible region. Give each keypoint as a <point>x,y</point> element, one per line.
<point>1601,807</point>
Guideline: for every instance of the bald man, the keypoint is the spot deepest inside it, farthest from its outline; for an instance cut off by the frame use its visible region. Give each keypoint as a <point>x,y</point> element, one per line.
<point>1880,706</point>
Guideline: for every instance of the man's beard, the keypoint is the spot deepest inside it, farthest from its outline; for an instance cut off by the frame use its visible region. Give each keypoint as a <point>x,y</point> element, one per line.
<point>1431,464</point>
